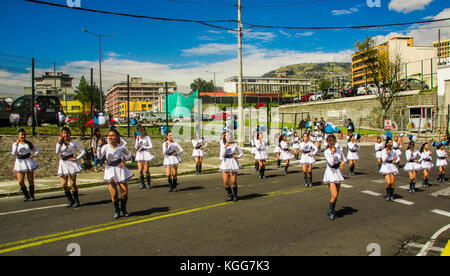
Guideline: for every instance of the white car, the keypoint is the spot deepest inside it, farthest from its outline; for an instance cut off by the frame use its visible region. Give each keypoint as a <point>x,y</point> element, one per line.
<point>372,89</point>
<point>316,97</point>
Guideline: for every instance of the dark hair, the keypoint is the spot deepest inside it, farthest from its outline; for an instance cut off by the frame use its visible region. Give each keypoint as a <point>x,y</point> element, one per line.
<point>411,144</point>
<point>95,131</point>
<point>281,138</point>
<point>66,129</point>
<point>21,130</point>
<point>331,137</point>
<point>117,134</point>
<point>423,147</point>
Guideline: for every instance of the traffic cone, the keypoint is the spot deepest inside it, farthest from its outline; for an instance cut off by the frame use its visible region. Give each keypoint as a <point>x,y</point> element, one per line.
<point>342,135</point>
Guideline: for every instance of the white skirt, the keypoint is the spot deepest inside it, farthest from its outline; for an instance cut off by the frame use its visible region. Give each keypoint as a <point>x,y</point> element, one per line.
<point>144,156</point>
<point>230,165</point>
<point>117,174</point>
<point>261,155</point>
<point>389,168</point>
<point>352,155</point>
<point>198,153</point>
<point>426,165</point>
<point>411,166</point>
<point>277,149</point>
<point>286,155</point>
<point>296,146</point>
<point>378,155</point>
<point>332,176</point>
<point>69,168</point>
<point>253,151</point>
<point>171,161</point>
<point>441,162</point>
<point>25,165</point>
<point>306,159</point>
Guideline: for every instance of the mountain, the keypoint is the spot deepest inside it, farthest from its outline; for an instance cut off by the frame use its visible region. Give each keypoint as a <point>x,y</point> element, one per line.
<point>313,70</point>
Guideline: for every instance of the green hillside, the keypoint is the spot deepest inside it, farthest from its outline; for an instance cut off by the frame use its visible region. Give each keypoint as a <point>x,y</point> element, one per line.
<point>314,70</point>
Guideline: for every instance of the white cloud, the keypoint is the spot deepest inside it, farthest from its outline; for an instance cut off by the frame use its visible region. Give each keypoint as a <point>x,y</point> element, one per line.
<point>304,34</point>
<point>407,6</point>
<point>340,12</point>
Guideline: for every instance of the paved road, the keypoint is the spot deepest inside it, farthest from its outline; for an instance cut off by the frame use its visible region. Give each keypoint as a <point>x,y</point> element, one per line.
<point>275,216</point>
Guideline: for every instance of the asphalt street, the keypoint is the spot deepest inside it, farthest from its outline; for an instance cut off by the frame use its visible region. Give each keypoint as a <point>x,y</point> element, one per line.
<point>276,216</point>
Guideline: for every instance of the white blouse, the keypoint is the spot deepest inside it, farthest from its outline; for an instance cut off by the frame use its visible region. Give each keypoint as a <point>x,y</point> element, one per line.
<point>114,154</point>
<point>23,149</point>
<point>227,152</point>
<point>170,149</point>
<point>65,150</point>
<point>144,143</point>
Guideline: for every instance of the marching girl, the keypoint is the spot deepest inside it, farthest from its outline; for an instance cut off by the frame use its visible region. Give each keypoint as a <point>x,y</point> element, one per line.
<point>425,163</point>
<point>307,160</point>
<point>171,161</point>
<point>69,166</point>
<point>116,174</point>
<point>285,154</point>
<point>379,146</point>
<point>277,150</point>
<point>25,164</point>
<point>143,145</point>
<point>412,165</point>
<point>389,168</point>
<point>198,153</point>
<point>398,149</point>
<point>296,145</point>
<point>318,137</point>
<point>441,161</point>
<point>253,151</point>
<point>229,155</point>
<point>352,154</point>
<point>333,176</point>
<point>261,154</point>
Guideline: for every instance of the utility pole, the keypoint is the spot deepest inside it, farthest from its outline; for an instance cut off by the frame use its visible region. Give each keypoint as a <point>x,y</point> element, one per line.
<point>241,120</point>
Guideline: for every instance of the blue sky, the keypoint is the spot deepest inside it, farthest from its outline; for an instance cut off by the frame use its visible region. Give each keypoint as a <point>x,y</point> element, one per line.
<point>158,50</point>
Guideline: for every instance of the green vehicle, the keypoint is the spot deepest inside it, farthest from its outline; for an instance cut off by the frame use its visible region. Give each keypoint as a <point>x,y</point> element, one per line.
<point>413,84</point>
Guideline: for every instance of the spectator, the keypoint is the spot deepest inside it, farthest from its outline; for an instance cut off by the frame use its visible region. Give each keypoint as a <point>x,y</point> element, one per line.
<point>94,146</point>
<point>350,128</point>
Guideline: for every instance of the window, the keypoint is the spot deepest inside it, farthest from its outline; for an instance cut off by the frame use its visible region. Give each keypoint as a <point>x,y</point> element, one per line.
<point>76,107</point>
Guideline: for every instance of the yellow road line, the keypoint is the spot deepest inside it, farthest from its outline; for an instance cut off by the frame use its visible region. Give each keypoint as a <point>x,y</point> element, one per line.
<point>446,251</point>
<point>115,225</point>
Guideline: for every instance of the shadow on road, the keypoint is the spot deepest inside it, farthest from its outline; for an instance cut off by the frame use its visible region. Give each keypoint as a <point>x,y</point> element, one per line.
<point>150,211</point>
<point>345,211</point>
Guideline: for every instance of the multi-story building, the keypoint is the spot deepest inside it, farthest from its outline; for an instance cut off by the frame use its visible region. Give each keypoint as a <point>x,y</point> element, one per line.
<point>443,48</point>
<point>134,107</point>
<point>269,87</point>
<point>53,83</point>
<point>416,61</point>
<point>140,91</point>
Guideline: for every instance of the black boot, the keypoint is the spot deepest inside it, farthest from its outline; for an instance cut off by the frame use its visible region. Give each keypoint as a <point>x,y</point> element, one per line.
<point>392,197</point>
<point>413,190</point>
<point>200,168</point>
<point>388,194</point>
<point>331,214</point>
<point>175,184</point>
<point>352,171</point>
<point>310,181</point>
<point>26,195</point>
<point>149,182</point>
<point>69,199</point>
<point>306,181</point>
<point>279,163</point>
<point>443,177</point>
<point>32,193</point>
<point>76,201</point>
<point>410,187</point>
<point>256,166</point>
<point>235,194</point>
<point>141,177</point>
<point>123,207</point>
<point>196,169</point>
<point>170,184</point>
<point>229,193</point>
<point>116,210</point>
<point>286,169</point>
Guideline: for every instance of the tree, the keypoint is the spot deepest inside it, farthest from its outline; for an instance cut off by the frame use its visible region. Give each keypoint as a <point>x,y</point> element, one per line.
<point>83,94</point>
<point>202,85</point>
<point>324,84</point>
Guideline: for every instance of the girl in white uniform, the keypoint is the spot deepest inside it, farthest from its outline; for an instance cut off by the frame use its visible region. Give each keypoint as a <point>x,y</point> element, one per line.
<point>143,145</point>
<point>441,161</point>
<point>285,154</point>
<point>229,154</point>
<point>352,154</point>
<point>296,145</point>
<point>333,176</point>
<point>426,163</point>
<point>115,171</point>
<point>307,160</point>
<point>198,153</point>
<point>69,166</point>
<point>318,136</point>
<point>397,146</point>
<point>261,154</point>
<point>379,146</point>
<point>412,166</point>
<point>22,149</point>
<point>171,161</point>
<point>389,168</point>
<point>253,151</point>
<point>277,150</point>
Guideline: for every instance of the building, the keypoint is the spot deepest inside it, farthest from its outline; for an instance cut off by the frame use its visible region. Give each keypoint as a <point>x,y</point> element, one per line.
<point>140,91</point>
<point>134,107</point>
<point>74,107</point>
<point>417,61</point>
<point>55,84</point>
<point>443,48</point>
<point>269,87</point>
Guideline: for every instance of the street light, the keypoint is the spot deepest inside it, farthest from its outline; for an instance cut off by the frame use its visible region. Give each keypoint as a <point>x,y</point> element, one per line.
<point>99,35</point>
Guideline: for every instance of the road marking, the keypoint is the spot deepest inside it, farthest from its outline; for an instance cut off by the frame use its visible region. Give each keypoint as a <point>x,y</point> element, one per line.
<point>402,201</point>
<point>430,243</point>
<point>440,212</point>
<point>37,241</point>
<point>405,187</point>
<point>346,186</point>
<point>30,210</point>
<point>379,181</point>
<point>418,245</point>
<point>371,193</point>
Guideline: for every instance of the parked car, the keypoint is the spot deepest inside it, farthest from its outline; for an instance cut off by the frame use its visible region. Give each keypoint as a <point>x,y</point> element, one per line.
<point>413,84</point>
<point>151,117</point>
<point>331,93</point>
<point>5,112</point>
<point>351,92</point>
<point>223,116</point>
<point>46,109</point>
<point>316,97</point>
<point>372,89</point>
<point>305,98</point>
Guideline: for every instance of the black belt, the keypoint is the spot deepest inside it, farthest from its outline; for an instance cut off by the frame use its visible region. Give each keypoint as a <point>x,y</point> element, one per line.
<point>25,156</point>
<point>229,156</point>
<point>428,159</point>
<point>198,147</point>
<point>390,161</point>
<point>352,150</point>
<point>170,153</point>
<point>115,163</point>
<point>335,166</point>
<point>395,148</point>
<point>412,161</point>
<point>306,151</point>
<point>65,158</point>
<point>442,157</point>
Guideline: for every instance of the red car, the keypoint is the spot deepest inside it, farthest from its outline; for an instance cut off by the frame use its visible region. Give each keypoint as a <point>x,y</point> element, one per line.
<point>223,116</point>
<point>260,105</point>
<point>305,98</point>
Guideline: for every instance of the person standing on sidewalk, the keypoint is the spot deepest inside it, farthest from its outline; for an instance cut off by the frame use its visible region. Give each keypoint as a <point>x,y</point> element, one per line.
<point>171,161</point>
<point>94,146</point>
<point>230,166</point>
<point>25,164</point>
<point>198,153</point>
<point>116,174</point>
<point>143,145</point>
<point>69,166</point>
